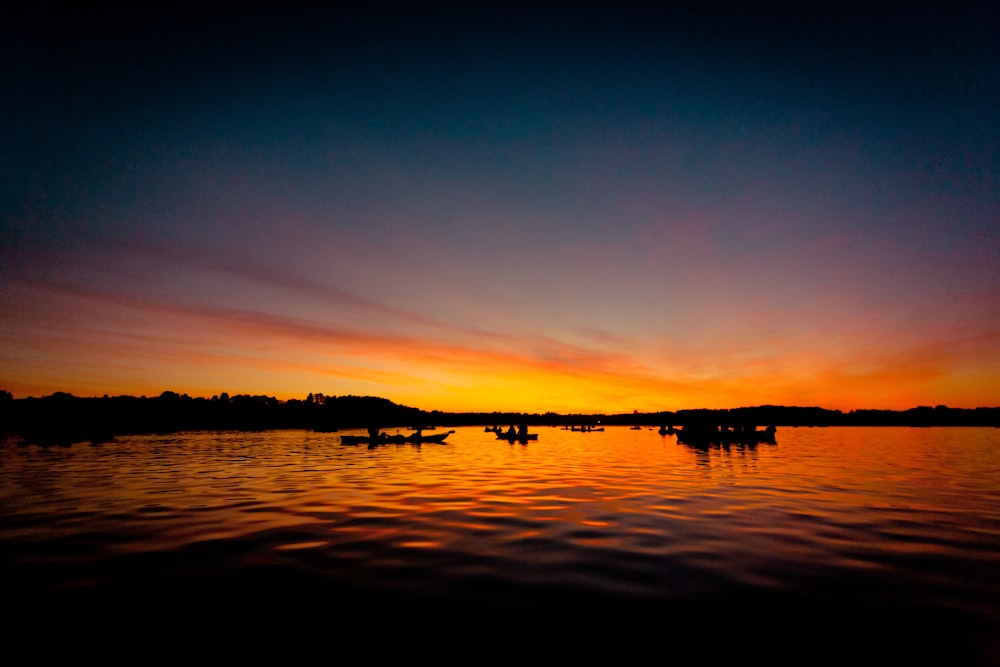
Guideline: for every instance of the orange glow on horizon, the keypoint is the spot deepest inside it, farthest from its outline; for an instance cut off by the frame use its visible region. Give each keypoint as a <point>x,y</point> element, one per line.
<point>123,345</point>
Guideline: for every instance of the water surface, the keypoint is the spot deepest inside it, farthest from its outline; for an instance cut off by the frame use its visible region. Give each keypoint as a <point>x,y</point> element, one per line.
<point>884,540</point>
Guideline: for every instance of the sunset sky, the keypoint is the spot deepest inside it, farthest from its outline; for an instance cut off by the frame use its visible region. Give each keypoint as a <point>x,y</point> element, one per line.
<point>581,209</point>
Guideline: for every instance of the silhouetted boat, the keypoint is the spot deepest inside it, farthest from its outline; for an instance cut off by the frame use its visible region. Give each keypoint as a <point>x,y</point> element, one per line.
<point>397,439</point>
<point>524,437</point>
<point>60,434</point>
<point>707,435</point>
<point>587,429</point>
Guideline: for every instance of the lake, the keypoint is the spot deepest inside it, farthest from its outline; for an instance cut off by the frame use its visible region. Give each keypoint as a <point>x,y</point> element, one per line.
<point>853,542</point>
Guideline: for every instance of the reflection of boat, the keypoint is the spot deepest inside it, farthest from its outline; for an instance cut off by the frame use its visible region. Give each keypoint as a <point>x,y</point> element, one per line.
<point>398,439</point>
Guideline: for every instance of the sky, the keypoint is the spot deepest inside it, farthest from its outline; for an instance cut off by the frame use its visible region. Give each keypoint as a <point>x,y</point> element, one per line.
<point>514,207</point>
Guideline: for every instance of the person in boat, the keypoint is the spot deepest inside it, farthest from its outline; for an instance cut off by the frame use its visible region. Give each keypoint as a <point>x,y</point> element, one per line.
<point>373,435</point>
<point>511,433</point>
<point>522,431</point>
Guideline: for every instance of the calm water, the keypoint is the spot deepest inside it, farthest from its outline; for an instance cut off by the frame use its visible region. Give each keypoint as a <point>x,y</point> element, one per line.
<point>882,540</point>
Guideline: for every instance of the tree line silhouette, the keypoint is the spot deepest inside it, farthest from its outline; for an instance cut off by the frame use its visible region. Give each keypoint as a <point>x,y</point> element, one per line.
<point>63,418</point>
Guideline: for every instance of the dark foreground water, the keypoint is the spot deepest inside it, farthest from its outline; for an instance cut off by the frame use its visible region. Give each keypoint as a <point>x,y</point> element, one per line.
<point>858,544</point>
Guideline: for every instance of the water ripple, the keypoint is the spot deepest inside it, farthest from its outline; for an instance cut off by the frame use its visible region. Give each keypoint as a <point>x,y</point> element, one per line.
<point>854,518</point>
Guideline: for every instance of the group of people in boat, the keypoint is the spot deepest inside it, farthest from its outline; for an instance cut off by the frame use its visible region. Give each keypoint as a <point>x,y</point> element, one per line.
<point>727,432</point>
<point>375,434</point>
<point>586,428</point>
<point>520,432</point>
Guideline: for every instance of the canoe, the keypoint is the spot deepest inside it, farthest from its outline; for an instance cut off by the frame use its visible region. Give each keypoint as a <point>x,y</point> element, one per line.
<point>517,438</point>
<point>397,439</point>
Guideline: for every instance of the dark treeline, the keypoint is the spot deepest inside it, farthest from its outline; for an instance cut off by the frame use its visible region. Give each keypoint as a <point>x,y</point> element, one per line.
<point>63,418</point>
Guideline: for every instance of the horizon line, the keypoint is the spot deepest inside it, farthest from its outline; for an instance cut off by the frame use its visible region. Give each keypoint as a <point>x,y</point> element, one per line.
<point>217,396</point>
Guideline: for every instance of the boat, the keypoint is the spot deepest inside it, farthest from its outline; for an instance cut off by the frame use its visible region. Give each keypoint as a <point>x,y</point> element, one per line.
<point>586,429</point>
<point>415,438</point>
<point>523,437</point>
<point>60,434</point>
<point>704,436</point>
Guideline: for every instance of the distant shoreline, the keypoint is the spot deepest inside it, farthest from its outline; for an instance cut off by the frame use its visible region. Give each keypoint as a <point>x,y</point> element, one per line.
<point>62,418</point>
